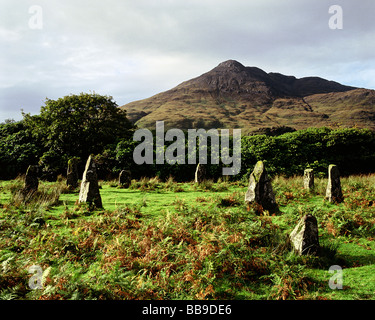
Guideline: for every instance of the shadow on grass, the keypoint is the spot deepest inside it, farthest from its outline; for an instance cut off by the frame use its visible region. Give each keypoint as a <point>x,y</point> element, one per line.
<point>357,259</point>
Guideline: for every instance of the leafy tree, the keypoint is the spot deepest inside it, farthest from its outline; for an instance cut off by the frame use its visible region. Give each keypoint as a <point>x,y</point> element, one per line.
<point>352,150</point>
<point>77,126</point>
<point>18,149</point>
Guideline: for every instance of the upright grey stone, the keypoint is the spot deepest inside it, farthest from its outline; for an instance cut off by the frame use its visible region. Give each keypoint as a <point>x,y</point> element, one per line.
<point>31,179</point>
<point>260,188</point>
<point>334,192</point>
<point>124,179</point>
<point>200,173</point>
<point>72,174</point>
<point>308,179</point>
<point>89,191</point>
<point>305,236</point>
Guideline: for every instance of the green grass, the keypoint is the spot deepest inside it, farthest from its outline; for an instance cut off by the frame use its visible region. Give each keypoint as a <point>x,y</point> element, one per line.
<point>168,240</point>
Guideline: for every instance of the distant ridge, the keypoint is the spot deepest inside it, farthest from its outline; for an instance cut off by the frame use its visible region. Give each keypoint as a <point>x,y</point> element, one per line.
<point>234,96</point>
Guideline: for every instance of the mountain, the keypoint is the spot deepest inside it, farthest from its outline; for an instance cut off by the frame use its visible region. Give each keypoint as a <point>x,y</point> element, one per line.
<point>234,96</point>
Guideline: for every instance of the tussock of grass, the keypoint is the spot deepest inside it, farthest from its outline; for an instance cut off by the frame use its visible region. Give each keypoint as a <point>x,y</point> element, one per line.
<point>46,196</point>
<point>154,184</point>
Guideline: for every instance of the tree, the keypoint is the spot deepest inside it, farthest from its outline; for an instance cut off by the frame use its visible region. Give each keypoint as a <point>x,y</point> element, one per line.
<point>77,126</point>
<point>18,149</point>
<point>352,150</point>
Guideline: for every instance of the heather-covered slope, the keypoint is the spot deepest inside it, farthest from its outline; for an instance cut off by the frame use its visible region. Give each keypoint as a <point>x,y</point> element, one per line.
<point>234,96</point>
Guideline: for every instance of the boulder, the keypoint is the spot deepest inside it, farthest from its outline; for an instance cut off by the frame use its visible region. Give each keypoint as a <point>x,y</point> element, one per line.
<point>124,179</point>
<point>89,191</point>
<point>260,189</point>
<point>305,237</point>
<point>72,174</point>
<point>200,173</point>
<point>308,179</point>
<point>334,192</point>
<point>31,179</point>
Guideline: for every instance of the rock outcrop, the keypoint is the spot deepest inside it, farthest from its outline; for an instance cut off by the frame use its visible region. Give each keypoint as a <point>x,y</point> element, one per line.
<point>89,191</point>
<point>260,189</point>
<point>305,237</point>
<point>72,174</point>
<point>334,192</point>
<point>124,178</point>
<point>31,179</point>
<point>308,179</point>
<point>200,173</point>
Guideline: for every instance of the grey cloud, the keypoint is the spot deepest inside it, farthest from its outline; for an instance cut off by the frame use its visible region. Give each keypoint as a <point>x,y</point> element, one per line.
<point>133,49</point>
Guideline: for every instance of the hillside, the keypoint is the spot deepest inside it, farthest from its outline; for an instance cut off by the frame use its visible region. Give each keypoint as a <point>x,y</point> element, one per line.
<point>234,96</point>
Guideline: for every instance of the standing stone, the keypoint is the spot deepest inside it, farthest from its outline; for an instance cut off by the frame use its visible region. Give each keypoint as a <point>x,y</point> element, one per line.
<point>31,179</point>
<point>124,179</point>
<point>308,179</point>
<point>305,237</point>
<point>200,173</point>
<point>334,192</point>
<point>72,174</point>
<point>89,191</point>
<point>260,188</point>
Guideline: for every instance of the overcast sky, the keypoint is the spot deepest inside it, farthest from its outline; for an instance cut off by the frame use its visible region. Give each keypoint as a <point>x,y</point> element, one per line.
<point>132,50</point>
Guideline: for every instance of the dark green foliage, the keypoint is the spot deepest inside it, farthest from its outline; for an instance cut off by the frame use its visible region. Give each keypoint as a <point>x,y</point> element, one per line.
<point>76,126</point>
<point>80,125</point>
<point>72,126</point>
<point>18,149</point>
<point>273,131</point>
<point>352,150</point>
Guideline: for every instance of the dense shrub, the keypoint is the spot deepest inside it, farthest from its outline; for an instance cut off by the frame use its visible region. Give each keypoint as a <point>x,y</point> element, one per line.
<point>79,125</point>
<point>352,150</point>
<point>18,149</point>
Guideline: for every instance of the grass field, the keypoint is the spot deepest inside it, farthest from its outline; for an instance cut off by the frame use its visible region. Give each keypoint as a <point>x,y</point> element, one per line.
<point>168,240</point>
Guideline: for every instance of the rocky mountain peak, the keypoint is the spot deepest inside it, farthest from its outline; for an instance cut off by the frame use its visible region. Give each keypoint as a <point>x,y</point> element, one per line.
<point>231,65</point>
<point>232,95</point>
